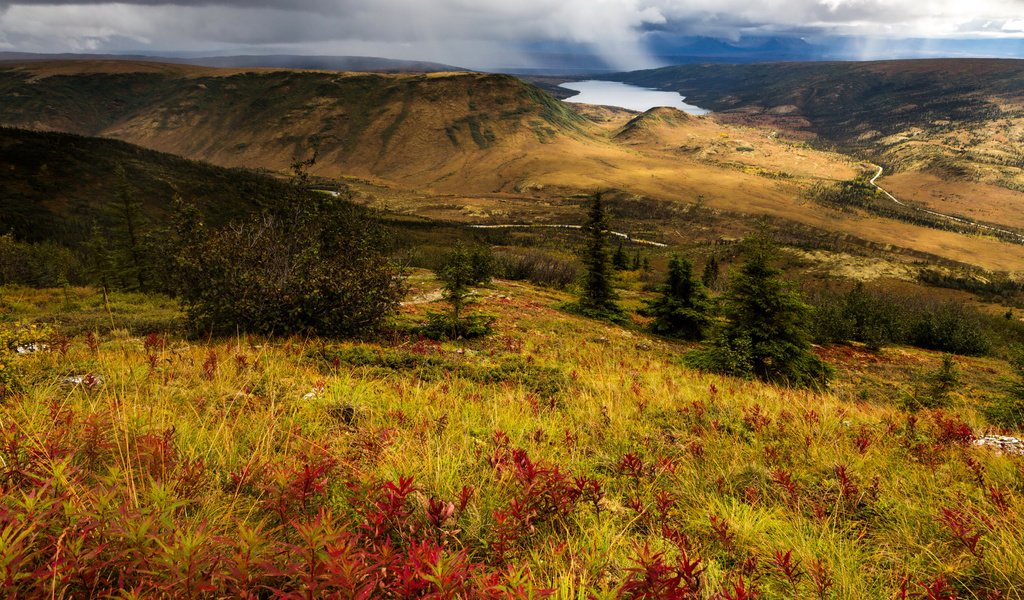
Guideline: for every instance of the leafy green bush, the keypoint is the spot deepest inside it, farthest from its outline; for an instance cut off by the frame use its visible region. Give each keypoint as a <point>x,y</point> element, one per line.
<point>950,327</point>
<point>312,263</point>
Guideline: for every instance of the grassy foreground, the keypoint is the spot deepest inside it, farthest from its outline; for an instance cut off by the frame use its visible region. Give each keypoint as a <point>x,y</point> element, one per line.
<point>560,456</point>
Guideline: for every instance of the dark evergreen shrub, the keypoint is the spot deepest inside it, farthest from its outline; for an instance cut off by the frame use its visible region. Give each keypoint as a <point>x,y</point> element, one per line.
<point>765,333</point>
<point>683,309</point>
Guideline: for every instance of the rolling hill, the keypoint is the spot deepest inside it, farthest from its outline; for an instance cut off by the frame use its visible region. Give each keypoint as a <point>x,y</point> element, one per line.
<point>414,128</point>
<point>56,186</point>
<point>472,147</point>
<point>951,130</point>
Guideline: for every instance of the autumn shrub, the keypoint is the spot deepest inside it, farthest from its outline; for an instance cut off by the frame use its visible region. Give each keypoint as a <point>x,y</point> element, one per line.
<point>535,266</point>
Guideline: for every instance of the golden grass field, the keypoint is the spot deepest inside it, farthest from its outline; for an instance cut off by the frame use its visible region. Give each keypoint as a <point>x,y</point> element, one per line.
<point>224,467</point>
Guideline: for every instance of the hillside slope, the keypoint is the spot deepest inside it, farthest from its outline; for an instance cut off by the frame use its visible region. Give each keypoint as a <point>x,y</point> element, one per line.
<point>414,128</point>
<point>462,146</point>
<point>954,127</point>
<point>56,186</point>
<point>564,448</point>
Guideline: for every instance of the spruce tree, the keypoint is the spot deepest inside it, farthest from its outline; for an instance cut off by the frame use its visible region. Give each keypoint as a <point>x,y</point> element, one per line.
<point>598,298</point>
<point>460,271</point>
<point>765,334</point>
<point>128,234</point>
<point>456,275</point>
<point>619,260</point>
<point>711,273</point>
<point>683,308</point>
<point>100,259</point>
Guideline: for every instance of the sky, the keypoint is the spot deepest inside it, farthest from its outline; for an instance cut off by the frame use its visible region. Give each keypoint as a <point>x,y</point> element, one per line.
<point>482,33</point>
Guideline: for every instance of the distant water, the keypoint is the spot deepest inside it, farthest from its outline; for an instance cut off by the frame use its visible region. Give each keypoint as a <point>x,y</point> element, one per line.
<point>613,93</point>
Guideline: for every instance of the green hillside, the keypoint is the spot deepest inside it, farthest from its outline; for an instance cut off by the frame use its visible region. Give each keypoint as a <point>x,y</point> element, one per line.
<point>56,186</point>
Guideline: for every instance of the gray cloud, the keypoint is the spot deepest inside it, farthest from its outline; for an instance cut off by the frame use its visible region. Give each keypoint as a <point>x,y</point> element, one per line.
<point>471,31</point>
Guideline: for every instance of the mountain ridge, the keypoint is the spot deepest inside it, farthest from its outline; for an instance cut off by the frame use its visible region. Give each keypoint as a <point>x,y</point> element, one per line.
<point>369,64</point>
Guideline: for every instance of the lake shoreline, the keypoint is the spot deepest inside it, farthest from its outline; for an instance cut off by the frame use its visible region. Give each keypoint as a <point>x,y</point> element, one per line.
<point>629,97</point>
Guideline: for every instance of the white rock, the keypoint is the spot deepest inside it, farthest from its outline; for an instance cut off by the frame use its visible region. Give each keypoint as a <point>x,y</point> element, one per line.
<point>1002,443</point>
<point>82,380</point>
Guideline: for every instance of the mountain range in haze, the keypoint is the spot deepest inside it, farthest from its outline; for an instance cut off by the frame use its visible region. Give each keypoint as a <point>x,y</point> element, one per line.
<point>358,64</point>
<point>563,58</point>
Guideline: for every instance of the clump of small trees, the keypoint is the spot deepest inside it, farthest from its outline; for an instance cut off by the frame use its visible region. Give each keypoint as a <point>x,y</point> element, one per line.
<point>462,269</point>
<point>877,319</point>
<point>762,330</point>
<point>763,333</point>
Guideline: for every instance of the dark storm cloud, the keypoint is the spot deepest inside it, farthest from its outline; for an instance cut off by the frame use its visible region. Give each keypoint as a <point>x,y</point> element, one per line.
<point>472,29</point>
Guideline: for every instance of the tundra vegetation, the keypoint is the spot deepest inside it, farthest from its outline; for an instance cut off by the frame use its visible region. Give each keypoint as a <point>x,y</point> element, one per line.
<point>264,389</point>
<point>558,456</point>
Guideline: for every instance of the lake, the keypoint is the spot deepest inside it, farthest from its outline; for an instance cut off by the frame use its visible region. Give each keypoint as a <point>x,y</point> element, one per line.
<point>613,93</point>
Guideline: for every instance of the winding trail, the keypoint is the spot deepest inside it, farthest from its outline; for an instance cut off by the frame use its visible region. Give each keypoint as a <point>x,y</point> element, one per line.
<point>1013,234</point>
<point>624,236</point>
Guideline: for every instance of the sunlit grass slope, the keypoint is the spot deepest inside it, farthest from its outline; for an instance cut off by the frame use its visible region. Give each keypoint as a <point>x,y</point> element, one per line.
<point>551,456</point>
